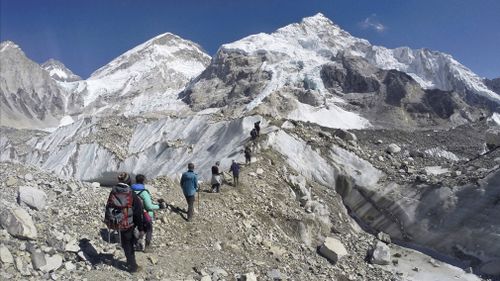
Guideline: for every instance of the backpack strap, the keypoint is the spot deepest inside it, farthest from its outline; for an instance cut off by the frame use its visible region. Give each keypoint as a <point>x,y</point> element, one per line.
<point>139,194</point>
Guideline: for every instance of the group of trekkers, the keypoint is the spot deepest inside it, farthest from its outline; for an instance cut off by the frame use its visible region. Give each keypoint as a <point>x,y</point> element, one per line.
<point>130,208</point>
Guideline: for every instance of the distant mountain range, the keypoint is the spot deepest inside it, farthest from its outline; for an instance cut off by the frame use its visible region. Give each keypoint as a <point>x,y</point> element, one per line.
<point>319,69</point>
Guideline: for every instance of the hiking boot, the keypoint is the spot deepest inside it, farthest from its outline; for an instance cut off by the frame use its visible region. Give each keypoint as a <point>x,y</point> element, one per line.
<point>147,250</point>
<point>135,269</point>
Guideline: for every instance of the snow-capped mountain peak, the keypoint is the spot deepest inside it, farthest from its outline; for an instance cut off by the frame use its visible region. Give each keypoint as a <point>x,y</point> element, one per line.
<point>8,45</point>
<point>316,40</point>
<point>59,71</point>
<point>151,74</point>
<point>156,50</point>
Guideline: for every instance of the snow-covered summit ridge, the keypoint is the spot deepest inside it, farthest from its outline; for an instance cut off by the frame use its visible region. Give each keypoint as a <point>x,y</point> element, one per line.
<point>9,45</point>
<point>157,68</point>
<point>59,71</point>
<point>159,49</point>
<point>318,39</point>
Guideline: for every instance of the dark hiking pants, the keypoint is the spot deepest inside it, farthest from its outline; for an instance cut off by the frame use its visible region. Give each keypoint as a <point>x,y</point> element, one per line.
<point>216,187</point>
<point>190,202</point>
<point>236,179</point>
<point>149,233</point>
<point>128,242</point>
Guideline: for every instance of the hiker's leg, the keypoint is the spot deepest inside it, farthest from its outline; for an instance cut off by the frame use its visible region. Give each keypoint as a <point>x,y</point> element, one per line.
<point>190,200</point>
<point>128,240</point>
<point>149,234</point>
<point>218,188</point>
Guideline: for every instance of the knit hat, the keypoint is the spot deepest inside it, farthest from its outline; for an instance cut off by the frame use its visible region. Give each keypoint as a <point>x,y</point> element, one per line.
<point>123,177</point>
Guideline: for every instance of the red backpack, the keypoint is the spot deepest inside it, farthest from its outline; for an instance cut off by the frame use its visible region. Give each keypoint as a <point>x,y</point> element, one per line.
<point>119,212</point>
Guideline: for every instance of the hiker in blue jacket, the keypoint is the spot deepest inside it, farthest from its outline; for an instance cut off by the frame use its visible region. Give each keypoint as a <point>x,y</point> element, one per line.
<point>189,184</point>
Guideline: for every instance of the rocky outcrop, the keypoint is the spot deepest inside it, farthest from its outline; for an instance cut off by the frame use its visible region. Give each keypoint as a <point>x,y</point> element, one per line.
<point>18,223</point>
<point>493,84</point>
<point>231,78</point>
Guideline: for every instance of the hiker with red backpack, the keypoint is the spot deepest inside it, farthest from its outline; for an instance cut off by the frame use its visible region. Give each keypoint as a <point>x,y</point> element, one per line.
<point>123,213</point>
<point>149,208</point>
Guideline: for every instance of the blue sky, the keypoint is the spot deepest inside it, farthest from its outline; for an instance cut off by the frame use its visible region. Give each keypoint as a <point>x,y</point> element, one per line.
<point>86,35</point>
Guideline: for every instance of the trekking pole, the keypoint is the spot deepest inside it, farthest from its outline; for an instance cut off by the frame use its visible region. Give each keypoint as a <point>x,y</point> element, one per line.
<point>198,201</point>
<point>109,235</point>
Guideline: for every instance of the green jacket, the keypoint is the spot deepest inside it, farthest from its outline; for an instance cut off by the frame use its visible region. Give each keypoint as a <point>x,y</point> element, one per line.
<point>144,194</point>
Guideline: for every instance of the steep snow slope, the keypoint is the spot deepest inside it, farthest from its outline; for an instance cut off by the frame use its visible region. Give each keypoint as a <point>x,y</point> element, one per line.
<point>59,71</point>
<point>147,77</point>
<point>30,98</point>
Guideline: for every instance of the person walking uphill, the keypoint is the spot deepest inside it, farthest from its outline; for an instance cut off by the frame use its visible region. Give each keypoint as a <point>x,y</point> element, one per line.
<point>124,212</point>
<point>149,208</point>
<point>216,178</point>
<point>248,155</point>
<point>235,168</point>
<point>189,184</point>
<point>256,126</point>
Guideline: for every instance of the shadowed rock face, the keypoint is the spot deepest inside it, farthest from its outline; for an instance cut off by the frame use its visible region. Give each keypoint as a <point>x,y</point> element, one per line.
<point>355,76</point>
<point>393,98</point>
<point>231,78</point>
<point>30,97</point>
<point>493,84</point>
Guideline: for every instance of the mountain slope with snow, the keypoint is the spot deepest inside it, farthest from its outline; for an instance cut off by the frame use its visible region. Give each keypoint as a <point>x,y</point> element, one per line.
<point>147,77</point>
<point>30,97</point>
<point>59,71</point>
<point>291,60</point>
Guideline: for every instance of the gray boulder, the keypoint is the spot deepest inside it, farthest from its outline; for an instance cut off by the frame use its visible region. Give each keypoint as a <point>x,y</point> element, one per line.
<point>18,223</point>
<point>21,267</point>
<point>11,181</point>
<point>381,254</point>
<point>345,135</point>
<point>393,148</point>
<point>5,255</point>
<point>333,249</point>
<point>52,263</point>
<point>38,260</point>
<point>384,237</point>
<point>249,277</point>
<point>492,138</point>
<point>33,197</point>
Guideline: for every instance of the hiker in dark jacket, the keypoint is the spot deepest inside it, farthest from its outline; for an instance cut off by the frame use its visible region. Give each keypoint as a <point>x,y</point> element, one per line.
<point>216,177</point>
<point>253,134</point>
<point>133,219</point>
<point>149,207</point>
<point>256,126</point>
<point>248,155</point>
<point>189,184</point>
<point>235,168</point>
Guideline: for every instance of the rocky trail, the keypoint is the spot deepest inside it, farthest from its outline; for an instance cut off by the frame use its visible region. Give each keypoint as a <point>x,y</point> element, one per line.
<point>271,227</point>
